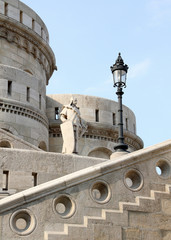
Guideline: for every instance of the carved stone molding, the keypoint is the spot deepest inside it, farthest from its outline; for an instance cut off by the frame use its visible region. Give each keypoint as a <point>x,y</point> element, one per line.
<point>22,111</point>
<point>110,135</point>
<point>30,42</point>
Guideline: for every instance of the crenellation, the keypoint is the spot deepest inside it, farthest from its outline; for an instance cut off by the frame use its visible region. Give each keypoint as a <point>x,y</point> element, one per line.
<point>15,8</point>
<point>13,12</point>
<point>27,20</point>
<point>43,34</point>
<point>14,3</point>
<point>37,28</point>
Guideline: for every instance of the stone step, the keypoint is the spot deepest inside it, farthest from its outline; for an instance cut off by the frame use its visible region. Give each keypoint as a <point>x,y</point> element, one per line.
<point>111,217</point>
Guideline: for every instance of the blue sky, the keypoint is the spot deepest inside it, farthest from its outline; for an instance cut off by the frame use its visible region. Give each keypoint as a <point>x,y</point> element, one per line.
<point>86,36</point>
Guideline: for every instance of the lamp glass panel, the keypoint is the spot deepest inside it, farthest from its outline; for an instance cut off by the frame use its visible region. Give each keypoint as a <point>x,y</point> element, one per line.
<point>116,76</point>
<point>123,76</point>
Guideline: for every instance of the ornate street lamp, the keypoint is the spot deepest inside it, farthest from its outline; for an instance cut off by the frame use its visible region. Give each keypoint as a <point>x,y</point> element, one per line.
<point>119,71</point>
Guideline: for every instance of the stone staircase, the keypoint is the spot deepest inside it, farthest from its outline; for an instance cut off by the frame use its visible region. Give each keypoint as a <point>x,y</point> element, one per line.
<point>141,204</point>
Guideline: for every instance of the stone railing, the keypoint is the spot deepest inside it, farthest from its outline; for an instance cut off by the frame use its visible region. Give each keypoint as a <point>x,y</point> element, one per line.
<point>130,182</point>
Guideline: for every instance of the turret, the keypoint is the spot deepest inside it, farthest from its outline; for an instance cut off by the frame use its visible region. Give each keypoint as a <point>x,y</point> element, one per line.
<point>26,65</point>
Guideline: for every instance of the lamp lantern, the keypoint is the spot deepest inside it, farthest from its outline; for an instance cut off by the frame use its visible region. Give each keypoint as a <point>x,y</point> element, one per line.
<point>119,71</point>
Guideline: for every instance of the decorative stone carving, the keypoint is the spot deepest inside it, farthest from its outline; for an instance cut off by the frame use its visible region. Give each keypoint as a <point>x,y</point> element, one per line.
<point>23,111</point>
<point>31,44</point>
<point>108,135</point>
<point>72,127</point>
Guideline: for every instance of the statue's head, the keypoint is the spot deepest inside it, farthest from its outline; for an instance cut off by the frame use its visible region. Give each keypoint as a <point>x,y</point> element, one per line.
<point>73,100</point>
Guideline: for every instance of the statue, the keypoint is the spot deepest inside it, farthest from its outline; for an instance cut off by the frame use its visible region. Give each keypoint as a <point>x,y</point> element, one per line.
<point>72,127</point>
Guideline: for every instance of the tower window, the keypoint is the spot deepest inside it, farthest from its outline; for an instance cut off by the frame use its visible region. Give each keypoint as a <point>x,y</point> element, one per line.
<point>114,119</point>
<point>21,17</point>
<point>9,87</point>
<point>34,179</point>
<point>126,123</point>
<point>5,180</point>
<point>40,100</point>
<point>6,9</point>
<point>33,24</point>
<point>28,94</point>
<point>56,113</point>
<point>97,115</point>
<point>42,32</point>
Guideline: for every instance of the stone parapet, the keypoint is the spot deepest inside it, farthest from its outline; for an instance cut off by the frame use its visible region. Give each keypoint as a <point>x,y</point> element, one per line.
<point>21,13</point>
<point>124,196</point>
<point>135,161</point>
<point>21,164</point>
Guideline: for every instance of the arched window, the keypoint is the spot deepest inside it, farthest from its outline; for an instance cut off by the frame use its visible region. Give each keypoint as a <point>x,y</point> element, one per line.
<point>5,144</point>
<point>42,145</point>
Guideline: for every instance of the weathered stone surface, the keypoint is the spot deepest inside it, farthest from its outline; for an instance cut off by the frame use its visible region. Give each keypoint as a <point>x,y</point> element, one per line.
<point>52,196</point>
<point>102,133</point>
<point>131,234</point>
<point>27,20</point>
<point>123,215</point>
<point>166,206</point>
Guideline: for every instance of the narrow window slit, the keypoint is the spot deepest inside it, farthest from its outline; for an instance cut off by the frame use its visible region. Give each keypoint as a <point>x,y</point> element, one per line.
<point>6,9</point>
<point>28,94</point>
<point>126,123</point>
<point>33,24</point>
<point>97,115</point>
<point>21,17</point>
<point>56,113</point>
<point>114,119</point>
<point>34,175</point>
<point>40,100</point>
<point>9,90</point>
<point>5,180</point>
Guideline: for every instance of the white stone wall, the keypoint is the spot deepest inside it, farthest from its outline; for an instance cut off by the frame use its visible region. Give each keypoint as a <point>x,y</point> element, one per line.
<point>101,136</point>
<point>88,105</point>
<point>20,81</point>
<point>20,165</point>
<point>19,58</point>
<point>8,140</point>
<point>18,115</point>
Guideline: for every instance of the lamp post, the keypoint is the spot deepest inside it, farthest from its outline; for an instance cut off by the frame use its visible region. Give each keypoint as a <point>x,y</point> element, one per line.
<point>119,71</point>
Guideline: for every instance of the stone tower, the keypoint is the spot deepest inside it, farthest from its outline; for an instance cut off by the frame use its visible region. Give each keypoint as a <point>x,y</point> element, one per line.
<point>26,64</point>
